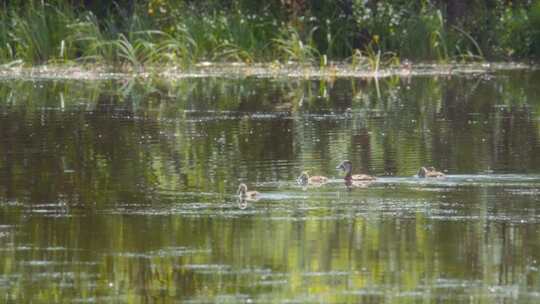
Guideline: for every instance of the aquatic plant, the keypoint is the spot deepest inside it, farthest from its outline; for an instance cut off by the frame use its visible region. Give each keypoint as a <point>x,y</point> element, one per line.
<point>236,35</point>
<point>308,32</point>
<point>92,42</point>
<point>139,52</point>
<point>178,46</point>
<point>425,37</point>
<point>7,52</point>
<point>38,32</point>
<point>291,47</point>
<point>533,38</point>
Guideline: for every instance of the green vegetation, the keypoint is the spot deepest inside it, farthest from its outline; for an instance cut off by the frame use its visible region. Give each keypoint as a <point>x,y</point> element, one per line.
<point>365,32</point>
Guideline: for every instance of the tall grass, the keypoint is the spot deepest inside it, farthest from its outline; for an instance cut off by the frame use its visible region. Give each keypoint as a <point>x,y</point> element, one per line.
<point>232,36</point>
<point>179,46</point>
<point>291,47</point>
<point>534,28</point>
<point>7,52</point>
<point>38,32</point>
<point>425,37</point>
<point>93,43</point>
<point>154,33</point>
<point>417,34</point>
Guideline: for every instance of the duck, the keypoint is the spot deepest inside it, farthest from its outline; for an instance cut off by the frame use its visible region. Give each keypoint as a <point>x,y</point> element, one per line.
<point>242,203</point>
<point>348,113</point>
<point>346,166</point>
<point>305,179</point>
<point>243,193</point>
<point>424,172</point>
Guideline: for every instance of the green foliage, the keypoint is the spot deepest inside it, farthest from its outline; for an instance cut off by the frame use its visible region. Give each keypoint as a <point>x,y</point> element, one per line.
<point>185,32</point>
<point>178,46</point>
<point>291,47</point>
<point>39,32</point>
<point>92,43</point>
<point>514,22</point>
<point>534,28</point>
<point>425,37</point>
<point>7,53</point>
<point>418,33</point>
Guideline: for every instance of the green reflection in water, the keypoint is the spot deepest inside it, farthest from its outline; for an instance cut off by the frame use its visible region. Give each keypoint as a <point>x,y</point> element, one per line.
<point>123,190</point>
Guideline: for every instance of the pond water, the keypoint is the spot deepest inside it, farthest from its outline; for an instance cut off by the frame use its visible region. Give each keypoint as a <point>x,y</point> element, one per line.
<point>125,190</point>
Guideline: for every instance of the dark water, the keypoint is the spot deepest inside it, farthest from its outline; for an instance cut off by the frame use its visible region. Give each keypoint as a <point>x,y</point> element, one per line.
<point>124,191</point>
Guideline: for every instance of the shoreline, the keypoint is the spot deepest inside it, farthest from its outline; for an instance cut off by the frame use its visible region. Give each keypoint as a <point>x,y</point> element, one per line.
<point>241,70</point>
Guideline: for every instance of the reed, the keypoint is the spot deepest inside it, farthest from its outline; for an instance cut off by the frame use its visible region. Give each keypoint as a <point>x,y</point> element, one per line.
<point>291,47</point>
<point>92,43</point>
<point>369,34</point>
<point>178,46</point>
<point>7,51</point>
<point>38,33</point>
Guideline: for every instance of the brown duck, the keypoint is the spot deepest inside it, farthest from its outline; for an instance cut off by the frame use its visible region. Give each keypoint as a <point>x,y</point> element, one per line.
<point>304,179</point>
<point>429,172</point>
<point>243,192</point>
<point>346,166</point>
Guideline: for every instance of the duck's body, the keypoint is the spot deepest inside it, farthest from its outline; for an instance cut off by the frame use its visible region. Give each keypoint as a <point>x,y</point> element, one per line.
<point>346,166</point>
<point>429,172</point>
<point>242,203</point>
<point>305,179</point>
<point>348,113</point>
<point>243,192</point>
<point>362,177</point>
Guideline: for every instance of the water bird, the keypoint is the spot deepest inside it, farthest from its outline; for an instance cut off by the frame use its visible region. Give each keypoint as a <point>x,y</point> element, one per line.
<point>242,203</point>
<point>243,193</point>
<point>424,172</point>
<point>348,113</point>
<point>346,166</point>
<point>304,179</point>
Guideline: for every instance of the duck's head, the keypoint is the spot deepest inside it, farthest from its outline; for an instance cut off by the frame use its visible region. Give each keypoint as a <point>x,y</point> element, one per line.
<point>422,172</point>
<point>303,179</point>
<point>242,189</point>
<point>431,169</point>
<point>346,166</point>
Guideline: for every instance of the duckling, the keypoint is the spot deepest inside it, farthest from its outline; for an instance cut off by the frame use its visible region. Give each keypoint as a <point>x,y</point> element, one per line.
<point>429,172</point>
<point>346,166</point>
<point>242,203</point>
<point>348,113</point>
<point>243,193</point>
<point>304,179</point>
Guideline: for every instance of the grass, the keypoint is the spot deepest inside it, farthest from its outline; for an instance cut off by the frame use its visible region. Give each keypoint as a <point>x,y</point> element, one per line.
<point>92,43</point>
<point>291,47</point>
<point>38,34</point>
<point>371,36</point>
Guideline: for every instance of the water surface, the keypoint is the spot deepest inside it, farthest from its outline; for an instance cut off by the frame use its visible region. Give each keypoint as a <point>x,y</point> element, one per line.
<point>124,190</point>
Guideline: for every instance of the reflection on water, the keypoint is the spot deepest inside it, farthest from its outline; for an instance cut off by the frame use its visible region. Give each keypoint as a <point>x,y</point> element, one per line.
<point>124,191</point>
